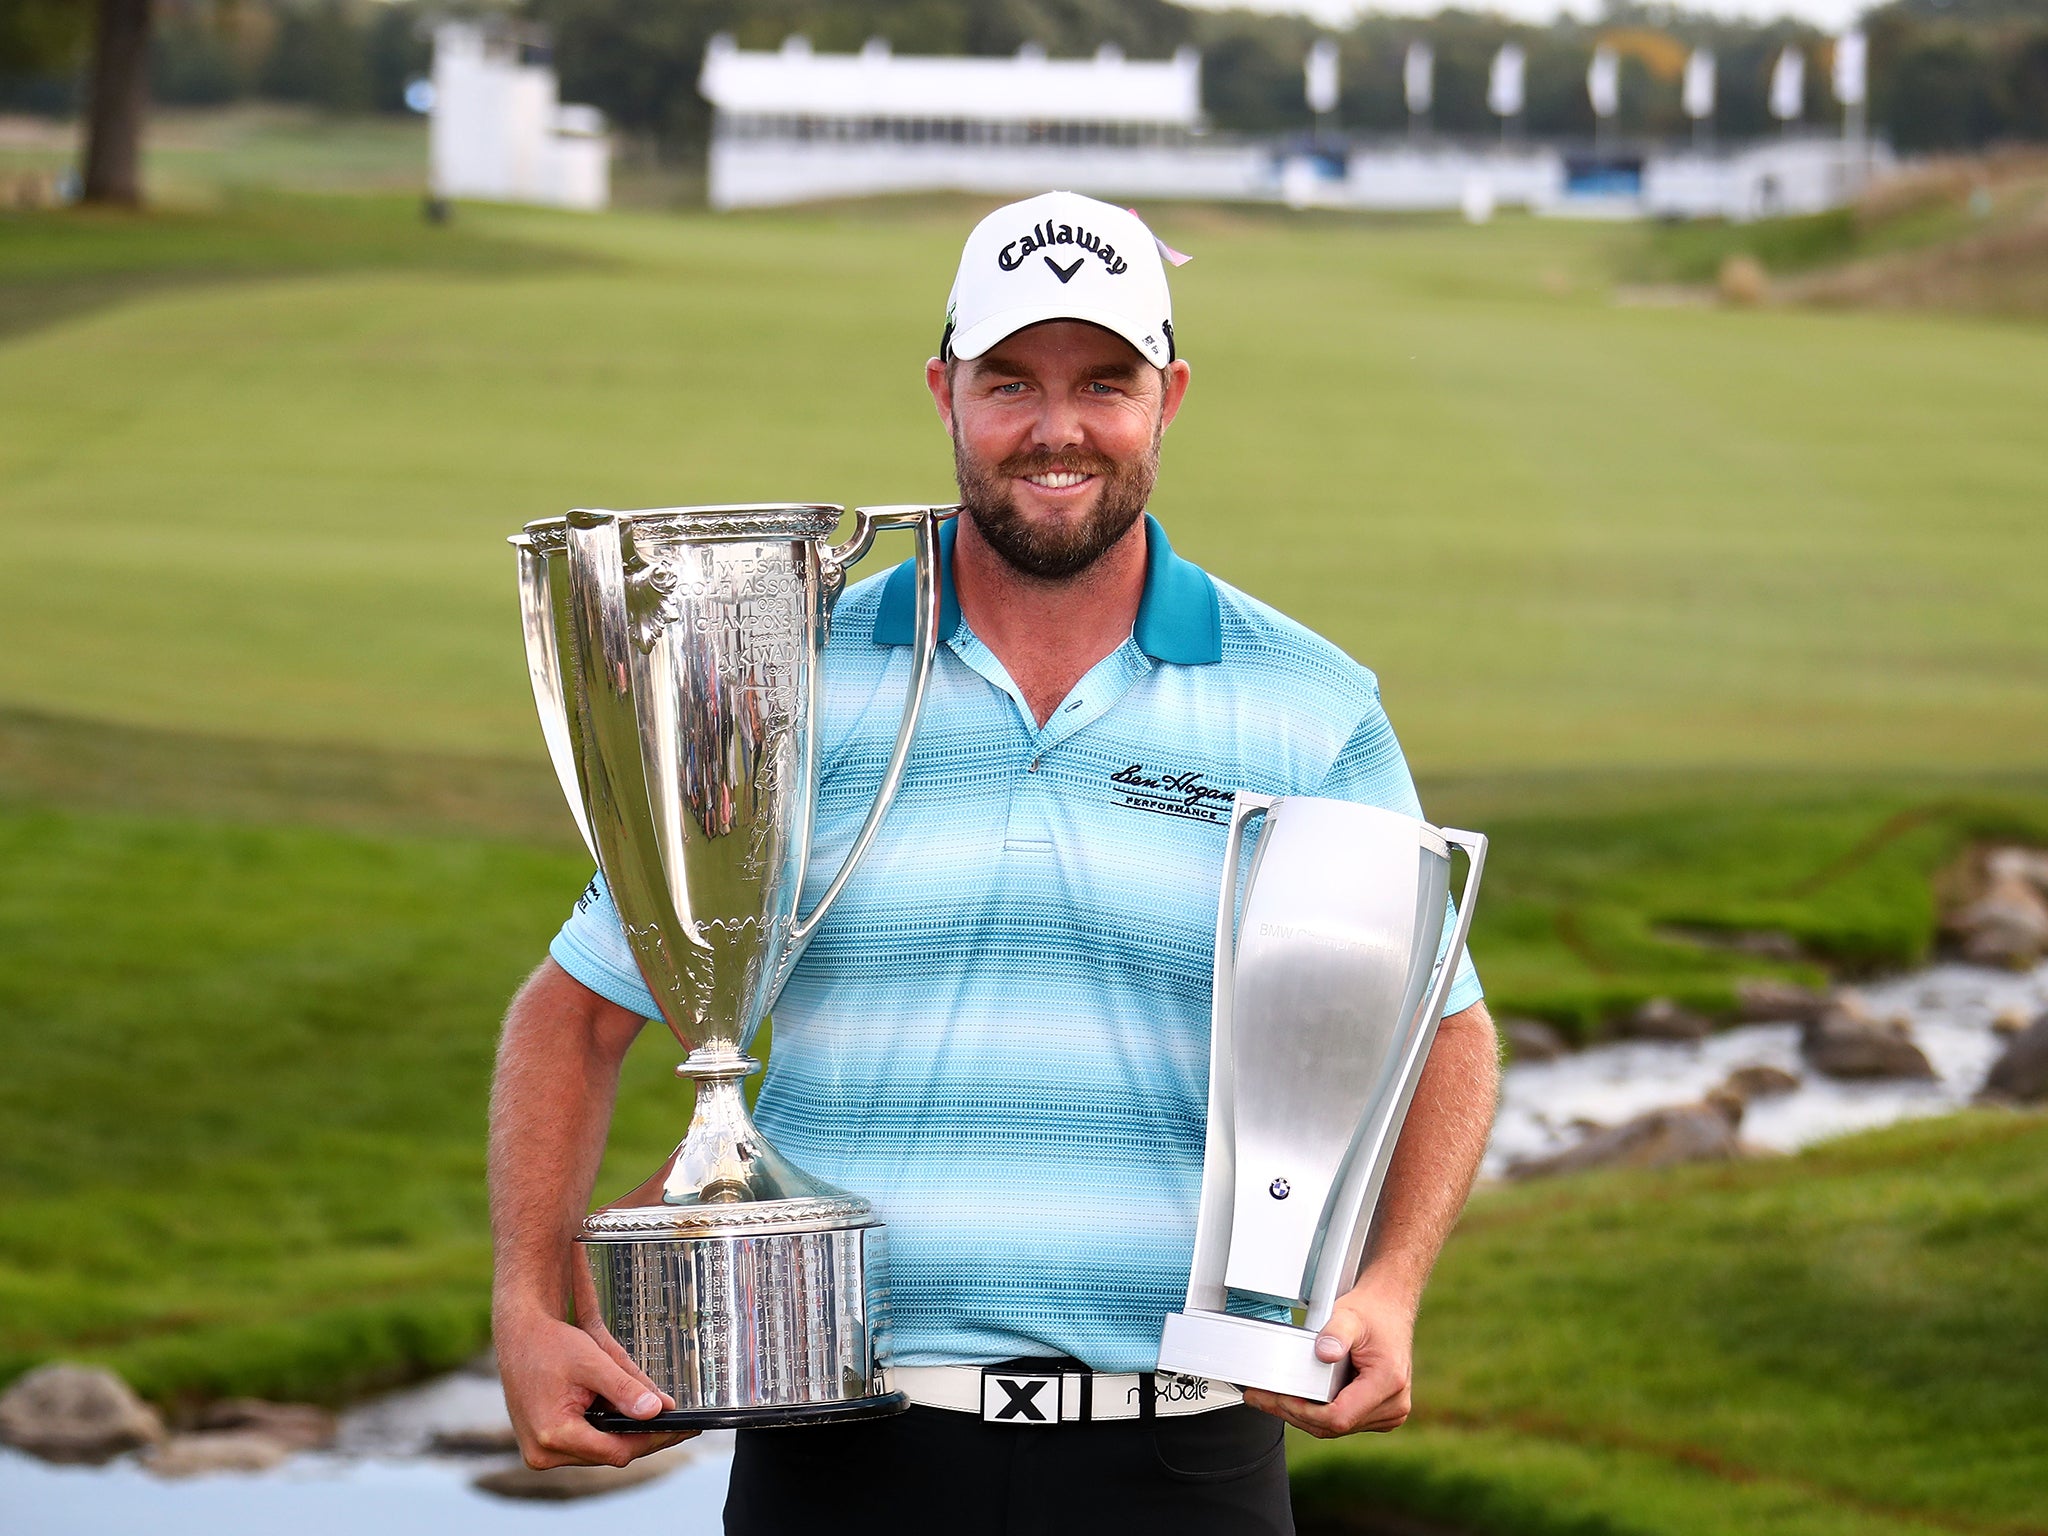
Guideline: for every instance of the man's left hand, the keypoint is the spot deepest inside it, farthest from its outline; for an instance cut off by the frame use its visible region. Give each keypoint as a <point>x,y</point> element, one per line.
<point>1377,1331</point>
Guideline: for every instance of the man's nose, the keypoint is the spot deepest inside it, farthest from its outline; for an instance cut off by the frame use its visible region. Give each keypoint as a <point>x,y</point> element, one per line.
<point>1059,424</point>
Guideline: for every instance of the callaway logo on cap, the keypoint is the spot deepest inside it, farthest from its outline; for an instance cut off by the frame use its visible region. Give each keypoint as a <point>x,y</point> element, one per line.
<point>1060,257</point>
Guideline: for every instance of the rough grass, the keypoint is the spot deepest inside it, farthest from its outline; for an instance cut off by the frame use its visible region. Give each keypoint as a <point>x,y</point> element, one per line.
<point>1851,1340</point>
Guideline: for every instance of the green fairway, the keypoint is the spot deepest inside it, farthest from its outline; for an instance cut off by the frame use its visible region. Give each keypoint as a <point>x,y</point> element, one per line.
<point>1716,621</point>
<point>1850,1341</point>
<point>1566,534</point>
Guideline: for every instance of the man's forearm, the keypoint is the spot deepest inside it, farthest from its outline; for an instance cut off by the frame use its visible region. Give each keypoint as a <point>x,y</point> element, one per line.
<point>551,1104</point>
<point>1438,1155</point>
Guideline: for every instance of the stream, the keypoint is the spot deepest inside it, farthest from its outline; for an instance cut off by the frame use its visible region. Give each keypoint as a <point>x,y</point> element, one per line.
<point>383,1474</point>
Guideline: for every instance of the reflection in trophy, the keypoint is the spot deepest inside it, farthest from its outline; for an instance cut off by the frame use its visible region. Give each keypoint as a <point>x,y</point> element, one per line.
<point>1328,991</point>
<point>675,662</point>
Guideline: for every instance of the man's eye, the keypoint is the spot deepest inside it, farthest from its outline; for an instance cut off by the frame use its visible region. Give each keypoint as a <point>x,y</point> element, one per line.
<point>1014,387</point>
<point>1100,388</point>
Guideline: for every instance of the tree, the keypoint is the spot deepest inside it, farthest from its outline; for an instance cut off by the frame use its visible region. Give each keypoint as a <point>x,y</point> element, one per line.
<point>115,105</point>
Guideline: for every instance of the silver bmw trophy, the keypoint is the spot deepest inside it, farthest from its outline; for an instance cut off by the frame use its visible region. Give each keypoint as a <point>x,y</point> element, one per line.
<point>675,663</point>
<point>1327,994</point>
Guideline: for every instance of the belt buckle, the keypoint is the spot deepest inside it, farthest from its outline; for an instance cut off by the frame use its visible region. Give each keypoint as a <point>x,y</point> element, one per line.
<point>1010,1396</point>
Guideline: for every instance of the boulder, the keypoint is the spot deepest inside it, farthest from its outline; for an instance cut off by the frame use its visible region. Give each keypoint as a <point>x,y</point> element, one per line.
<point>2007,925</point>
<point>301,1426</point>
<point>2010,1021</point>
<point>1532,1040</point>
<point>1683,1133</point>
<point>1758,1081</point>
<point>1849,1042</point>
<point>480,1440</point>
<point>2028,864</point>
<point>1662,1019</point>
<point>76,1413</point>
<point>559,1483</point>
<point>217,1450</point>
<point>2021,1073</point>
<point>1766,1000</point>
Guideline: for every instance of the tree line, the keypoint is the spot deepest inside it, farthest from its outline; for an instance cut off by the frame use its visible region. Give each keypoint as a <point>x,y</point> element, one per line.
<point>1945,74</point>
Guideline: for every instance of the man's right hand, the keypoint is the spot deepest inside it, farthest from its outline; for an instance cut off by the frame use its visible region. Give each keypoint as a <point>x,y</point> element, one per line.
<point>552,1372</point>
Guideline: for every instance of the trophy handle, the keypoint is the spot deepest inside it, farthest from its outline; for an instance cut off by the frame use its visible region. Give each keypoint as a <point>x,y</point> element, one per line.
<point>1357,1202</point>
<point>1219,1155</point>
<point>544,671</point>
<point>867,522</point>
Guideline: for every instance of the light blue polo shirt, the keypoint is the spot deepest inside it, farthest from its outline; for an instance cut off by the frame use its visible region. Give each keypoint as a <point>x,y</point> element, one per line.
<point>1000,1035</point>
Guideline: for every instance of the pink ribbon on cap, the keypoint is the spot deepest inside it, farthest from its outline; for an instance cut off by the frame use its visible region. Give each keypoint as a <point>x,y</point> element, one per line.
<point>1175,258</point>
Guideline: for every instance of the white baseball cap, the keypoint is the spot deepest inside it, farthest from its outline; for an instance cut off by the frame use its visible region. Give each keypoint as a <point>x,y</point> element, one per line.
<point>1060,256</point>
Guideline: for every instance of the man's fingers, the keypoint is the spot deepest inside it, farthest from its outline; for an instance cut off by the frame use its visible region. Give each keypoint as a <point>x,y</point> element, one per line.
<point>601,1336</point>
<point>620,1385</point>
<point>574,1443</point>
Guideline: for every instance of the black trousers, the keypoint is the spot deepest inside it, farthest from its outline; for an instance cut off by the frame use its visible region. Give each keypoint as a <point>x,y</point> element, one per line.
<point>930,1470</point>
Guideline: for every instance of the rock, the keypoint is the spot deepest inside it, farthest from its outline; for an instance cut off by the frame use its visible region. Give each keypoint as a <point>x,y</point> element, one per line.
<point>579,1482</point>
<point>301,1426</point>
<point>1684,1133</point>
<point>2007,925</point>
<point>485,1440</point>
<point>217,1450</point>
<point>2021,1073</point>
<point>1743,280</point>
<point>1662,1019</point>
<point>2010,1021</point>
<point>1758,1081</point>
<point>1766,1000</point>
<point>76,1413</point>
<point>1532,1040</point>
<point>2028,864</point>
<point>1847,1041</point>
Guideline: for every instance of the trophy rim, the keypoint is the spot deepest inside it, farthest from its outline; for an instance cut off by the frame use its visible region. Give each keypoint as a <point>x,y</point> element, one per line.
<point>745,1218</point>
<point>724,522</point>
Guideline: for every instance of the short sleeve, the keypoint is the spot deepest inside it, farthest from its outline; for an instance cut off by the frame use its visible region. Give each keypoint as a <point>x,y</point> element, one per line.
<point>1371,770</point>
<point>592,948</point>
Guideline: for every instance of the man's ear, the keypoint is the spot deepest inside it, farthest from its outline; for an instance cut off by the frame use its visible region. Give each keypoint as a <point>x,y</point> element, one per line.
<point>1178,373</point>
<point>938,379</point>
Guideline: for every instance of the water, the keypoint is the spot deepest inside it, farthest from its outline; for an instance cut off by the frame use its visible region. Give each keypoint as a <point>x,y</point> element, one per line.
<point>1551,1105</point>
<point>379,1478</point>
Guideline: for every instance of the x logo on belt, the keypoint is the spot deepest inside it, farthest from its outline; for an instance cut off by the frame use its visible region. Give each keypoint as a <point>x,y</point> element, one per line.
<point>1023,1398</point>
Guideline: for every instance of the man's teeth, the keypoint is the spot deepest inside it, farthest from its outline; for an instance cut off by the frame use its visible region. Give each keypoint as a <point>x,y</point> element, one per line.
<point>1059,479</point>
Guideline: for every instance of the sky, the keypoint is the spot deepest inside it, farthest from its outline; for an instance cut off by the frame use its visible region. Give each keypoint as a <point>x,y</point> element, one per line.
<point>1831,14</point>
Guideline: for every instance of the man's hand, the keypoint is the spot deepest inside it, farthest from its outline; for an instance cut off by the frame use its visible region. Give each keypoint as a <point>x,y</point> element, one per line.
<point>1377,1331</point>
<point>552,1371</point>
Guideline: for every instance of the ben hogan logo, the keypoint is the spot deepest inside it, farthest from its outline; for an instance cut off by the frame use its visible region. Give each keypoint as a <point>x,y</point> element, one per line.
<point>1166,793</point>
<point>1013,255</point>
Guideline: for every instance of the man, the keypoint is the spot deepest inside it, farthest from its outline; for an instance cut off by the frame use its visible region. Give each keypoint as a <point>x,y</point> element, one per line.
<point>1000,1035</point>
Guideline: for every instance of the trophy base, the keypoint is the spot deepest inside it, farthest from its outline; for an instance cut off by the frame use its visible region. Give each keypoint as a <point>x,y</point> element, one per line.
<point>882,1405</point>
<point>757,1312</point>
<point>1274,1357</point>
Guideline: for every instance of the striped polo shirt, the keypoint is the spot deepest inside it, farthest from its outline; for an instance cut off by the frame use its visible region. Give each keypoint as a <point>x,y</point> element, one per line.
<point>1000,1035</point>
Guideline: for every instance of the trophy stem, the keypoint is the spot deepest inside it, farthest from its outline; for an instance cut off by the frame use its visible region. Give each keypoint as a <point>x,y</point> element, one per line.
<point>724,1159</point>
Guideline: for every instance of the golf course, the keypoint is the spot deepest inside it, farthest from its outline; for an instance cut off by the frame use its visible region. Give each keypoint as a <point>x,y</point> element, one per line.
<point>1719,621</point>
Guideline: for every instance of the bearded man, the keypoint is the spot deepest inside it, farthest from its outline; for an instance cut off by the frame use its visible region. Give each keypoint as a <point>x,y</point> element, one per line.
<point>1000,1035</point>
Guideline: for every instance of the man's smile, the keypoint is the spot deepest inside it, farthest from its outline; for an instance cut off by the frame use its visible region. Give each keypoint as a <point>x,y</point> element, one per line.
<point>1058,479</point>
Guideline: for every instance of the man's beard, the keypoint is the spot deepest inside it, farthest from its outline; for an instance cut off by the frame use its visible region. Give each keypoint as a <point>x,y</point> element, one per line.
<point>1056,552</point>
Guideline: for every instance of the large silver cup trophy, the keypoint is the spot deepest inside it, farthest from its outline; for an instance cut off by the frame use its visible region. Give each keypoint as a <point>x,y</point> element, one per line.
<point>1327,994</point>
<point>675,663</point>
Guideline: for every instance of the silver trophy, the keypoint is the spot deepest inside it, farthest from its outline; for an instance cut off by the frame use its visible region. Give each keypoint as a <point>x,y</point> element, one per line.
<point>1327,994</point>
<point>675,663</point>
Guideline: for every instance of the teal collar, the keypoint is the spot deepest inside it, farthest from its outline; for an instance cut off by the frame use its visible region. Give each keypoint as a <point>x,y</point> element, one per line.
<point>1179,619</point>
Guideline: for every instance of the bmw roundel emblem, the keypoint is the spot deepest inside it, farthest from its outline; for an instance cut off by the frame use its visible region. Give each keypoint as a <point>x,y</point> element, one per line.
<point>1279,1189</point>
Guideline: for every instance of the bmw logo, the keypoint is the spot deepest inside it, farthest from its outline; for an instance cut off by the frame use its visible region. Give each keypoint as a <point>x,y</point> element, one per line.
<point>1279,1189</point>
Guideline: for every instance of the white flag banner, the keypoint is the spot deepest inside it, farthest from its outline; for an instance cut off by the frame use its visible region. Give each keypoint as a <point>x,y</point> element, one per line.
<point>1418,78</point>
<point>1852,68</point>
<point>1319,74</point>
<point>1699,84</point>
<point>1504,81</point>
<point>1788,85</point>
<point>1603,82</point>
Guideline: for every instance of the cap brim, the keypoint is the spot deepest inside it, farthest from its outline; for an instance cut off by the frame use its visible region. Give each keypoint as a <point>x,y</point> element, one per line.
<point>976,339</point>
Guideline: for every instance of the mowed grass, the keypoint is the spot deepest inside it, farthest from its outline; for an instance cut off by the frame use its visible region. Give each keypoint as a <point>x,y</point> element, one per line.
<point>1565,534</point>
<point>1854,1340</point>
